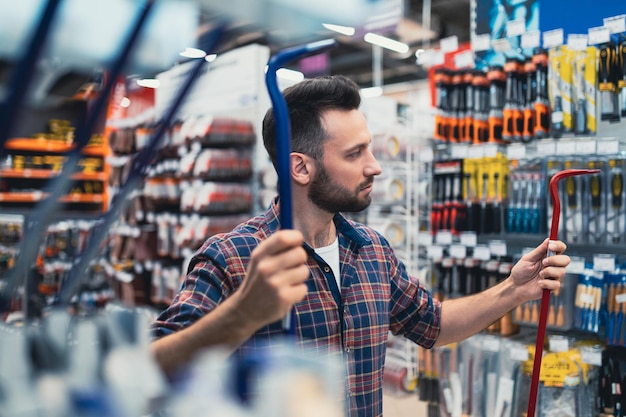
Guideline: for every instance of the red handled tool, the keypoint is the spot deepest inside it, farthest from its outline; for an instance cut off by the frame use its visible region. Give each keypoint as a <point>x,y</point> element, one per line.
<point>545,299</point>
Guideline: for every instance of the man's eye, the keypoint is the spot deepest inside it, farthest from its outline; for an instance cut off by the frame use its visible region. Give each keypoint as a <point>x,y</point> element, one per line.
<point>354,154</point>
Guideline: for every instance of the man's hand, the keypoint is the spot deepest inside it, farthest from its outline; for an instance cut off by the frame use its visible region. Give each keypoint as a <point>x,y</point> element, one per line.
<point>275,279</point>
<point>535,272</point>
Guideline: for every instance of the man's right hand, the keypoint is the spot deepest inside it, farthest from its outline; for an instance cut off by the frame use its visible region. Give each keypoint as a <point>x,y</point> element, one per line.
<point>275,279</point>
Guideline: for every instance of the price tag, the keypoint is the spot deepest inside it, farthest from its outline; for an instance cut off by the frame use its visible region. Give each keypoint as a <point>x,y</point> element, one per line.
<point>558,344</point>
<point>515,27</point>
<point>607,147</point>
<point>591,356</point>
<point>449,44</point>
<point>464,59</point>
<point>426,155</point>
<point>586,147</point>
<point>565,147</point>
<point>458,251</point>
<point>468,239</point>
<point>603,262</point>
<point>552,38</point>
<point>576,266</point>
<point>434,252</point>
<point>491,344</point>
<point>501,45</point>
<point>482,253</point>
<point>516,151</point>
<point>598,35</point>
<point>519,352</point>
<point>439,58</point>
<point>427,58</point>
<point>531,39</point>
<point>475,152</point>
<point>586,298</point>
<point>443,238</point>
<point>577,41</point>
<point>546,147</point>
<point>620,298</point>
<point>497,247</point>
<point>481,42</point>
<point>557,117</point>
<point>424,239</point>
<point>616,24</point>
<point>490,150</point>
<point>459,151</point>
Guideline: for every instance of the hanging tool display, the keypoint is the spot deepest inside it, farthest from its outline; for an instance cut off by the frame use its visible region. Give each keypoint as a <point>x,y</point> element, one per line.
<point>512,113</point>
<point>480,85</point>
<point>541,106</point>
<point>529,100</point>
<point>607,81</point>
<point>497,82</point>
<point>468,125</point>
<point>616,217</point>
<point>545,299</point>
<point>621,76</point>
<point>442,104</point>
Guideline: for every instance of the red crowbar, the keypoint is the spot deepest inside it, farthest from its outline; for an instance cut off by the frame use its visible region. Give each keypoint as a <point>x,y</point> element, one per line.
<point>545,298</point>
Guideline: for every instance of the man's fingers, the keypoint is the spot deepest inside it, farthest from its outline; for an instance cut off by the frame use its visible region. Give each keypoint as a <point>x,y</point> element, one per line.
<point>279,242</point>
<point>540,251</point>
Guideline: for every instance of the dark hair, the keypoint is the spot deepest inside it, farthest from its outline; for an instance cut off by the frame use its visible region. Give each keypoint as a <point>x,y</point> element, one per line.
<point>307,101</point>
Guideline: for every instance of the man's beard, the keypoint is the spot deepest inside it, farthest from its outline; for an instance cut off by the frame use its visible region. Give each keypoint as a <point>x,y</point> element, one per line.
<point>325,194</point>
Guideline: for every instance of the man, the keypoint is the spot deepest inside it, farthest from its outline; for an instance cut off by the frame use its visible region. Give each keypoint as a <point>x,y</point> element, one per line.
<point>343,279</point>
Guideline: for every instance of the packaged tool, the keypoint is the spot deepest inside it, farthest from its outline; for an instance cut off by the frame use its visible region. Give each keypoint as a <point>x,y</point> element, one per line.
<point>595,202</point>
<point>615,207</point>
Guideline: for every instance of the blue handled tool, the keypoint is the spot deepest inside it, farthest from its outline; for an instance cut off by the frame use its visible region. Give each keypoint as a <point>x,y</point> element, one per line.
<point>45,210</point>
<point>283,133</point>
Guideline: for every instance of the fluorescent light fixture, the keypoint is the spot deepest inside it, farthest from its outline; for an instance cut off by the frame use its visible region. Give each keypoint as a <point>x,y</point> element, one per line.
<point>290,75</point>
<point>372,92</point>
<point>344,30</point>
<point>418,53</point>
<point>149,82</point>
<point>125,102</point>
<point>193,53</point>
<point>210,57</point>
<point>374,39</point>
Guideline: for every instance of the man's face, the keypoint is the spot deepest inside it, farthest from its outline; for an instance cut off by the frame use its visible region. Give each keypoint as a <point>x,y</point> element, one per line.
<point>343,179</point>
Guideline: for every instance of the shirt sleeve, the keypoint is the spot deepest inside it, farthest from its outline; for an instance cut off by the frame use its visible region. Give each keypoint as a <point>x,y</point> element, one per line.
<point>415,314</point>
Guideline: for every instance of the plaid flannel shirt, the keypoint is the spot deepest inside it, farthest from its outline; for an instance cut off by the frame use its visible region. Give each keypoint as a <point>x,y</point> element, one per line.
<point>377,295</point>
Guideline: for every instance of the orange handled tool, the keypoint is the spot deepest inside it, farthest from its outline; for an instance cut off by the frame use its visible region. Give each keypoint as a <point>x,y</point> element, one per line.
<point>545,298</point>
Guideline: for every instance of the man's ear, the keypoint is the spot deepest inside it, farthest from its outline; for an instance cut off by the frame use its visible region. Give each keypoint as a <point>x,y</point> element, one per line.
<point>301,168</point>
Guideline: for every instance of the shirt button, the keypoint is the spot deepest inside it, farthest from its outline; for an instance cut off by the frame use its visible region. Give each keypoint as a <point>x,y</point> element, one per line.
<point>326,269</point>
<point>347,348</point>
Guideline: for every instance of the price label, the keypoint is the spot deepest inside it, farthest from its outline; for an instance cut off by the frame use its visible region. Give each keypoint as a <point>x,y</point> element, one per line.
<point>434,252</point>
<point>482,253</point>
<point>464,59</point>
<point>427,58</point>
<point>443,238</point>
<point>439,58</point>
<point>620,298</point>
<point>565,147</point>
<point>459,151</point>
<point>519,352</point>
<point>468,239</point>
<point>516,151</point>
<point>603,262</point>
<point>591,356</point>
<point>426,155</point>
<point>481,42</point>
<point>615,24</point>
<point>490,150</point>
<point>515,27</point>
<point>557,117</point>
<point>424,239</point>
<point>586,147</point>
<point>458,251</point>
<point>501,45</point>
<point>546,147</point>
<point>552,38</point>
<point>531,39</point>
<point>491,344</point>
<point>577,41</point>
<point>576,266</point>
<point>597,35</point>
<point>449,44</point>
<point>558,344</point>
<point>607,147</point>
<point>498,247</point>
<point>475,152</point>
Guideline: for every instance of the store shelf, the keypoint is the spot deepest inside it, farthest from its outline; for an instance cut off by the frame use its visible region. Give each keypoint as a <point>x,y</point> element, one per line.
<point>47,173</point>
<point>33,197</point>
<point>46,145</point>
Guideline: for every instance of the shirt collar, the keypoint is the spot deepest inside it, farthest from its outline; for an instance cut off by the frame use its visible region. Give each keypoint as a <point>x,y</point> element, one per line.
<point>343,225</point>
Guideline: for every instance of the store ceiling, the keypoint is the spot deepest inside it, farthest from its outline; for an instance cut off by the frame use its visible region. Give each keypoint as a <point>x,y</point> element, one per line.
<point>353,56</point>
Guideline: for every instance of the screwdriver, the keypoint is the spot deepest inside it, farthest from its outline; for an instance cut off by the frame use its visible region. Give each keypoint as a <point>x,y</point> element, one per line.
<point>617,188</point>
<point>541,105</point>
<point>596,203</point>
<point>497,216</point>
<point>621,80</point>
<point>606,81</point>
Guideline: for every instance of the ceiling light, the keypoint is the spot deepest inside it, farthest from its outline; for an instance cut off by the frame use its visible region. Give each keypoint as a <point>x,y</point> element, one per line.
<point>371,92</point>
<point>344,30</point>
<point>385,42</point>
<point>149,82</point>
<point>193,53</point>
<point>210,57</point>
<point>290,75</point>
<point>418,53</point>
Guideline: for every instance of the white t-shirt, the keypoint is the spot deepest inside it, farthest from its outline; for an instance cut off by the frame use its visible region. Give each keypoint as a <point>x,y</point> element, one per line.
<point>330,254</point>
